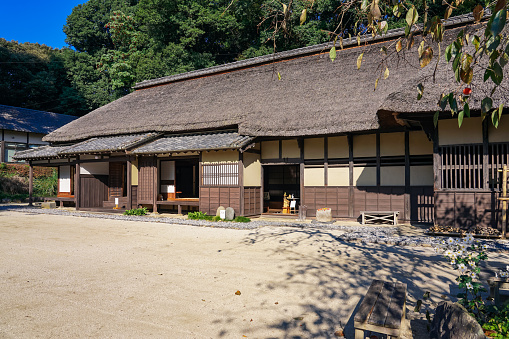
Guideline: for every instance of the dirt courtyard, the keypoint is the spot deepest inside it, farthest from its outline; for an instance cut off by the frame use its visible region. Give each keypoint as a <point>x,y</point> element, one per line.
<point>71,277</point>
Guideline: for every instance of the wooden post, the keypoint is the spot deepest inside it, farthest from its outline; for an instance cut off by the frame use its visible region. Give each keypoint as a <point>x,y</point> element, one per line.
<point>326,162</point>
<point>407,176</point>
<point>129,184</point>
<point>31,184</point>
<point>485,155</point>
<point>378,162</point>
<point>241,182</point>
<point>504,201</point>
<point>77,183</point>
<point>2,150</point>
<point>350,176</point>
<point>301,174</point>
<point>155,185</point>
<point>437,172</point>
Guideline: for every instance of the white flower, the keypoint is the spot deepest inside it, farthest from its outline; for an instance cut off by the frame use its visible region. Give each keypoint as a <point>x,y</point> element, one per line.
<point>504,274</point>
<point>469,238</point>
<point>453,262</point>
<point>469,286</point>
<point>451,241</point>
<point>471,263</point>
<point>463,246</point>
<point>507,268</point>
<point>448,253</point>
<point>473,275</point>
<point>485,247</point>
<point>462,267</point>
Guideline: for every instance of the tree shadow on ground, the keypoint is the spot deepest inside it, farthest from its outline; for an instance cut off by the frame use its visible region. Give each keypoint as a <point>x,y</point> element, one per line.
<point>331,277</point>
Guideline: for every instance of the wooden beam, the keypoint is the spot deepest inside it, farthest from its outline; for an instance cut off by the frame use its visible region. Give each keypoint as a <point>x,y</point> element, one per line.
<point>350,176</point>
<point>155,177</point>
<point>2,149</point>
<point>30,184</point>
<point>262,188</point>
<point>280,149</point>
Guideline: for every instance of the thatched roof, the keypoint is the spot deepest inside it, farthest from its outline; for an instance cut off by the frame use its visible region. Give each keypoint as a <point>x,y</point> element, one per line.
<point>31,120</point>
<point>314,96</point>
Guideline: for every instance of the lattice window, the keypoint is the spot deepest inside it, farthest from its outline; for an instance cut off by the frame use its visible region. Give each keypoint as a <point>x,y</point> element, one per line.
<point>462,166</point>
<point>220,174</point>
<point>498,157</point>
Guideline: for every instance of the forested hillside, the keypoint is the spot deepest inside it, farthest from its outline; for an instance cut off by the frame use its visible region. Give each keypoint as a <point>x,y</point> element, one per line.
<point>116,43</point>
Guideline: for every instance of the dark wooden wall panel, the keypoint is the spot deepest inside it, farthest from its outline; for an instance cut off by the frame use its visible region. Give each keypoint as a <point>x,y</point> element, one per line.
<point>335,198</point>
<point>422,203</point>
<point>134,196</point>
<point>466,209</point>
<point>371,198</point>
<point>213,197</point>
<point>148,167</point>
<point>116,179</point>
<point>252,198</point>
<point>93,190</point>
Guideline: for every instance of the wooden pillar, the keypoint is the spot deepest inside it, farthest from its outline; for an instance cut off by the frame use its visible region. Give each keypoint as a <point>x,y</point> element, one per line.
<point>485,156</point>
<point>129,184</point>
<point>31,184</point>
<point>326,161</point>
<point>350,177</point>
<point>77,183</point>
<point>241,182</point>
<point>262,186</point>
<point>407,176</point>
<point>437,172</point>
<point>301,169</point>
<point>504,201</point>
<point>2,150</point>
<point>155,185</point>
<point>378,162</point>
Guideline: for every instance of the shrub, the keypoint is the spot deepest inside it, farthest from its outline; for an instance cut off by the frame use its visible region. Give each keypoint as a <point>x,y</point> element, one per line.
<point>136,211</point>
<point>497,323</point>
<point>199,216</point>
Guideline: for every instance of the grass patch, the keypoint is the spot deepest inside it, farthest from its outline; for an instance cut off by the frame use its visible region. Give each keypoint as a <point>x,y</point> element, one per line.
<point>204,216</point>
<point>136,211</point>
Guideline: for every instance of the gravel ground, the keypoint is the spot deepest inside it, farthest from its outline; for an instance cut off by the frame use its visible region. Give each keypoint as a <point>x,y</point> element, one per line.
<point>363,234</point>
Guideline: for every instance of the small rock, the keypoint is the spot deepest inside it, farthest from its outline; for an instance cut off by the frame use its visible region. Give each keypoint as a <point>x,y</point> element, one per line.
<point>229,213</point>
<point>452,321</point>
<point>218,211</point>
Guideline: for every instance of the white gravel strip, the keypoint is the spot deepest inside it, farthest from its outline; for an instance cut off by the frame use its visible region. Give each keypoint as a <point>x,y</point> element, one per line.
<point>364,234</point>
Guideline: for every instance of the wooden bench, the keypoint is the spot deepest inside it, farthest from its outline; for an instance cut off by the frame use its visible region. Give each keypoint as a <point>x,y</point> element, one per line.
<point>382,309</point>
<point>380,216</point>
<point>497,284</point>
<point>180,202</point>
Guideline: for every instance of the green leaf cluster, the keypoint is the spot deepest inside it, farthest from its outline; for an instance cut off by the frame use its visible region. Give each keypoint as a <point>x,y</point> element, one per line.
<point>136,211</point>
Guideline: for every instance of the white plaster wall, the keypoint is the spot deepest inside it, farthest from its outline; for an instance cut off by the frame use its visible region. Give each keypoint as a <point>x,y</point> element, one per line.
<point>314,176</point>
<point>421,176</point>
<point>450,134</point>
<point>270,149</point>
<point>338,176</point>
<point>314,148</point>
<point>64,179</point>
<point>252,169</point>
<point>98,168</point>
<point>338,147</point>
<point>364,176</point>
<point>14,136</point>
<point>392,176</point>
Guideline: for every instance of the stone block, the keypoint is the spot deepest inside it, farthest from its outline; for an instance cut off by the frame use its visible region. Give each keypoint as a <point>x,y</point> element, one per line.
<point>49,204</point>
<point>218,211</point>
<point>229,214</point>
<point>324,215</point>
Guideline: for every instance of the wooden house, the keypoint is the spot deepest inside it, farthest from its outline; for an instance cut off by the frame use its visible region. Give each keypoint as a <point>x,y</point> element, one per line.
<point>237,135</point>
<point>23,128</point>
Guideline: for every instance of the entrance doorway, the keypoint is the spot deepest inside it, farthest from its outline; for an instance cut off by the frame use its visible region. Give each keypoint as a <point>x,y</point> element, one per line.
<point>278,180</point>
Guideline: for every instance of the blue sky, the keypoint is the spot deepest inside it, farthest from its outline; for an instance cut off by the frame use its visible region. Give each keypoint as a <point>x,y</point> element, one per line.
<point>36,20</point>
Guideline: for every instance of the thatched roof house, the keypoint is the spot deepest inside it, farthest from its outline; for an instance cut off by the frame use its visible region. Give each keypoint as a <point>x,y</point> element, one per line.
<point>247,133</point>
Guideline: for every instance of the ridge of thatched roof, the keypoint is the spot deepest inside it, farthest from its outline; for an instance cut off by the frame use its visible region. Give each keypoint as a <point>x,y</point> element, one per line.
<point>314,96</point>
<point>31,120</point>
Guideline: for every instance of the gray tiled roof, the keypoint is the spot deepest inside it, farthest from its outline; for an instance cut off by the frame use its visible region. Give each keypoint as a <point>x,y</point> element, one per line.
<point>108,144</point>
<point>30,120</point>
<point>42,152</point>
<point>194,142</point>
